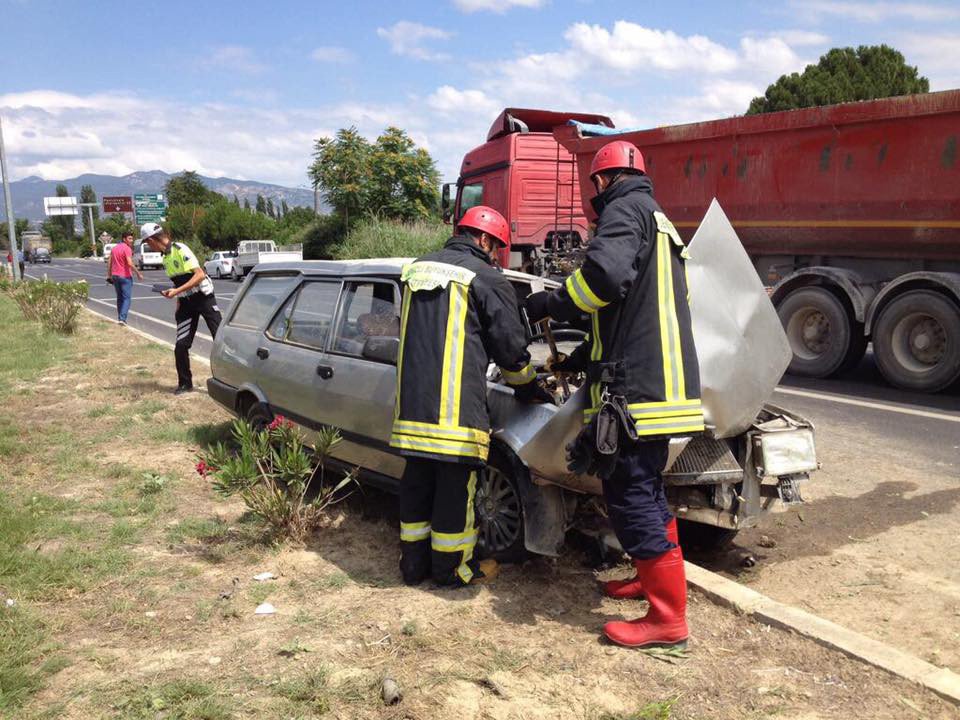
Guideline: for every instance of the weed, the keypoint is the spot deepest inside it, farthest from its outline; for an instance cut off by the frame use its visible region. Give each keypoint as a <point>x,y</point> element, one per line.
<point>652,711</point>
<point>124,532</point>
<point>23,642</point>
<point>152,483</point>
<point>309,689</point>
<point>206,530</point>
<point>180,699</point>
<point>260,592</point>
<point>293,648</point>
<point>334,581</point>
<point>101,411</point>
<point>28,349</point>
<point>409,628</point>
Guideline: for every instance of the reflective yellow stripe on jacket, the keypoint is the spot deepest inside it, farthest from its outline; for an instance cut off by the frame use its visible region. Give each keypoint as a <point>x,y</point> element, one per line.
<point>581,294</point>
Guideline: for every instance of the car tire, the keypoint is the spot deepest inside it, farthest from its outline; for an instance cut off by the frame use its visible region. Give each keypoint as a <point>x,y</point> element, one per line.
<point>259,415</point>
<point>698,537</point>
<point>498,508</point>
<point>916,341</point>
<point>233,275</point>
<point>219,274</point>
<point>819,330</point>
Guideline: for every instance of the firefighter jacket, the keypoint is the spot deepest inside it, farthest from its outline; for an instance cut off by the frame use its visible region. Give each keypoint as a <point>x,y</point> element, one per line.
<point>633,286</point>
<point>458,313</point>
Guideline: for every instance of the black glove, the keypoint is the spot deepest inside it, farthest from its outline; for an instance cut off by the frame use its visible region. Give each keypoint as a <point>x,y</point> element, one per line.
<point>536,306</point>
<point>583,458</point>
<point>563,363</point>
<point>533,393</point>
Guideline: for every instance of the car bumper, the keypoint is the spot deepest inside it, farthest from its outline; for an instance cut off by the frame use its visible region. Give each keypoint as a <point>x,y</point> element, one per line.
<point>222,393</point>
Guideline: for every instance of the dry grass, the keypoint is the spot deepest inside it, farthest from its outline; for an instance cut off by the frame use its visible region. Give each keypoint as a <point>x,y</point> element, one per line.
<point>134,595</point>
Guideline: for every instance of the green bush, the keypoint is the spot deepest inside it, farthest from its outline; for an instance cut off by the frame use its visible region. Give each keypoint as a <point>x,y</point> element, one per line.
<point>55,305</point>
<point>373,238</point>
<point>320,237</point>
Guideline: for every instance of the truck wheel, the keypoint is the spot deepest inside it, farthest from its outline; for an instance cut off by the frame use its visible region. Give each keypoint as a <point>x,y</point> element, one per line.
<point>499,509</point>
<point>819,330</point>
<point>917,341</point>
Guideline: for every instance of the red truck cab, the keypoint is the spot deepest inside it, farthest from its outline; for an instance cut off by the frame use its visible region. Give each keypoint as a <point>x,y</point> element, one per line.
<point>526,175</point>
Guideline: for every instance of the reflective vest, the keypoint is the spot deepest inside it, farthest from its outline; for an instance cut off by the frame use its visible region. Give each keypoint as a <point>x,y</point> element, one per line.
<point>633,287</point>
<point>458,314</point>
<point>179,262</point>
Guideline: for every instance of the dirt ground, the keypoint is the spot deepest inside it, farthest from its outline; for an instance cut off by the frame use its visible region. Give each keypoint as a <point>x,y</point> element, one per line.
<point>876,547</point>
<point>167,628</point>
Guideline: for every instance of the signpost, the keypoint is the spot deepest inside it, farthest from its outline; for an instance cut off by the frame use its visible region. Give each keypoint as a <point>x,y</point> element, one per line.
<point>54,206</point>
<point>117,204</point>
<point>150,208</point>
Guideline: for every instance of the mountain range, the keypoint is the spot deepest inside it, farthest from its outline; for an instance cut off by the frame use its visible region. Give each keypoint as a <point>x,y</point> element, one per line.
<point>28,193</point>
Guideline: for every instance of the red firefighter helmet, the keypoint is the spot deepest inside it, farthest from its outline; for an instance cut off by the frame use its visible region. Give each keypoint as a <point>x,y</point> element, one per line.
<point>486,219</point>
<point>618,155</point>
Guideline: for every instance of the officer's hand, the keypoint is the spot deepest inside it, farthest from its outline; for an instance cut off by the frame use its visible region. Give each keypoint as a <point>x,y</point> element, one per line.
<point>536,306</point>
<point>533,393</point>
<point>562,363</point>
<point>169,292</point>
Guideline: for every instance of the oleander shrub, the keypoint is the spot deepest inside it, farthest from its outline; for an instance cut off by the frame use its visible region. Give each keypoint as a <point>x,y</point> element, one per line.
<point>55,305</point>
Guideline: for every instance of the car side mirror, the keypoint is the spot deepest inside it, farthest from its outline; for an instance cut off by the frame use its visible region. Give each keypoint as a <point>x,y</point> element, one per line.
<point>447,202</point>
<point>381,348</point>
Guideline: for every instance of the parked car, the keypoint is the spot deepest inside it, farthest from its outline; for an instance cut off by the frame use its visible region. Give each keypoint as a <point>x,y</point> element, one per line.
<point>317,342</point>
<point>220,264</point>
<point>144,257</point>
<point>107,249</point>
<point>39,255</point>
<point>251,253</point>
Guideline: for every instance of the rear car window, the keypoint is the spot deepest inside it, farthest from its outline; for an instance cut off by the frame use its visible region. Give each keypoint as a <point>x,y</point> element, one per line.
<point>265,293</point>
<point>307,318</point>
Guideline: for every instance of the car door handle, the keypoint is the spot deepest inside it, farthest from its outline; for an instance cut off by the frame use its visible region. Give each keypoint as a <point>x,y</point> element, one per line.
<point>325,372</point>
<point>263,353</point>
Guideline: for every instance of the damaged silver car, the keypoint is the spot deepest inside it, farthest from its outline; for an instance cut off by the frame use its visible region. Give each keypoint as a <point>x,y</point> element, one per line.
<point>317,341</point>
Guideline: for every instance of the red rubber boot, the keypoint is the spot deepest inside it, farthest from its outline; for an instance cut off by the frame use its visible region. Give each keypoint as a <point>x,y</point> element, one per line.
<point>665,624</point>
<point>632,587</point>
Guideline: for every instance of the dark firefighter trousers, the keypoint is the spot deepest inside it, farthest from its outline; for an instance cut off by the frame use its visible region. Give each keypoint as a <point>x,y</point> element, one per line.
<point>189,311</point>
<point>437,524</point>
<point>636,503</point>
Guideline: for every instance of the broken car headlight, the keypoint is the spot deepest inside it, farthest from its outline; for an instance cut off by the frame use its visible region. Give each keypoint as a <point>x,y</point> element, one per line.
<point>785,453</point>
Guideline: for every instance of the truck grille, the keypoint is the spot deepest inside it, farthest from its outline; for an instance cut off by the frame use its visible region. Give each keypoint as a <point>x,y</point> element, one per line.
<point>704,461</point>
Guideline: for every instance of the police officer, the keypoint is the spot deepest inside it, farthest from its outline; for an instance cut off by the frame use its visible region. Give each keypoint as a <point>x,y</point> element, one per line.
<point>458,313</point>
<point>632,285</point>
<point>193,291</point>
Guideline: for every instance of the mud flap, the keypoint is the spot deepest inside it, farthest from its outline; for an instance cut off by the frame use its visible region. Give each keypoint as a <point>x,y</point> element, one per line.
<point>544,516</point>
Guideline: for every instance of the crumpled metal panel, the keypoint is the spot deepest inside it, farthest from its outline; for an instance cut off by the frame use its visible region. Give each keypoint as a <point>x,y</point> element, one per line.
<point>741,345</point>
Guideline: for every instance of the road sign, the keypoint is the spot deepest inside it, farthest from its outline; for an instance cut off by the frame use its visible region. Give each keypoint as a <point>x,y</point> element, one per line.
<point>60,206</point>
<point>117,204</point>
<point>150,208</point>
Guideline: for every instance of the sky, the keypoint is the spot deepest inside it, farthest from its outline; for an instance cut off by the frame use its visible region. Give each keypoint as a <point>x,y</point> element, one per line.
<point>242,90</point>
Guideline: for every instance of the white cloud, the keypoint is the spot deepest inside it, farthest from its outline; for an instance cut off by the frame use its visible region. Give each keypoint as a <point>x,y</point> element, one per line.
<point>235,58</point>
<point>771,55</point>
<point>874,12</point>
<point>331,54</point>
<point>497,6</point>
<point>634,47</point>
<point>447,99</point>
<point>801,38</point>
<point>408,38</point>
<point>936,56</point>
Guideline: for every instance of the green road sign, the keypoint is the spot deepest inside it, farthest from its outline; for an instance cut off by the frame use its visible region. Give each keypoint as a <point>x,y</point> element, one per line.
<point>150,208</point>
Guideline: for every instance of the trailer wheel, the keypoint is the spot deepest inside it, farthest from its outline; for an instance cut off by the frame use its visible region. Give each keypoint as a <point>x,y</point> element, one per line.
<point>917,341</point>
<point>819,330</point>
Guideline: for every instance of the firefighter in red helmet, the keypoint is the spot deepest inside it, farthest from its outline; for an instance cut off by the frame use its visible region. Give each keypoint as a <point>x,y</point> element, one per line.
<point>459,312</point>
<point>644,380</point>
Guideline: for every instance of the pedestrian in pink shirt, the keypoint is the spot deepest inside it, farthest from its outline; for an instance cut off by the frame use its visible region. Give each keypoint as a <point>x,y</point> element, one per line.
<point>120,271</point>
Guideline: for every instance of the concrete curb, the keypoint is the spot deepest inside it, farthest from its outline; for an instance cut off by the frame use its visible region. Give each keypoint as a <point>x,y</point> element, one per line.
<point>749,602</point>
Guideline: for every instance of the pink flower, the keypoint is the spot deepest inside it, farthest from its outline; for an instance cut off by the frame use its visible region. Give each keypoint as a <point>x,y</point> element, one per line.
<point>203,469</point>
<point>277,422</point>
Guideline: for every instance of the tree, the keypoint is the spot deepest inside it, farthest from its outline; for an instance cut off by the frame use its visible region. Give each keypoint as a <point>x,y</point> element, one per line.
<point>270,210</point>
<point>261,205</point>
<point>341,169</point>
<point>20,225</point>
<point>64,223</point>
<point>843,75</point>
<point>113,225</point>
<point>188,189</point>
<point>246,204</point>
<point>404,182</point>
<point>284,208</point>
<point>236,200</point>
<point>87,195</point>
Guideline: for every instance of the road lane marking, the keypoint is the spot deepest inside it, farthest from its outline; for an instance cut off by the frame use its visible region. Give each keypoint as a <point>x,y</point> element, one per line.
<point>88,274</point>
<point>113,305</point>
<point>867,404</point>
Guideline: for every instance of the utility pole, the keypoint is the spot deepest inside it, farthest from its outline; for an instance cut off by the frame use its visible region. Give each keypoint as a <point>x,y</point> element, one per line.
<point>11,223</point>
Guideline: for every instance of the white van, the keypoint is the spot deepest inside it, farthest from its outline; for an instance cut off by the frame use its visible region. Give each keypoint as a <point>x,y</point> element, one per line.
<point>106,251</point>
<point>144,257</point>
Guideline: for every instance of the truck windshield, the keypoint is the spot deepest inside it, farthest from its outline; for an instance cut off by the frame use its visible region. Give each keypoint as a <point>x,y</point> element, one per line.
<point>470,196</point>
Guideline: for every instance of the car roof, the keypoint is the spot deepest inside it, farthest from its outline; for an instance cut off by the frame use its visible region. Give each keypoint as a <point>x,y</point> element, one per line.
<point>367,266</point>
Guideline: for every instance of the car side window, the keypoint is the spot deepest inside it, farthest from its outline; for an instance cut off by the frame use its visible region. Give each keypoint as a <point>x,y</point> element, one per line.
<point>307,319</point>
<point>369,309</point>
<point>260,300</point>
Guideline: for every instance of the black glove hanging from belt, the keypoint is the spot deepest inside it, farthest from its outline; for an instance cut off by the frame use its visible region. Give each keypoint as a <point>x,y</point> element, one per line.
<point>596,448</point>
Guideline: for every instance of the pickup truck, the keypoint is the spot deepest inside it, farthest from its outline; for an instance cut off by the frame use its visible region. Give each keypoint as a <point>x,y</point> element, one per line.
<point>251,253</point>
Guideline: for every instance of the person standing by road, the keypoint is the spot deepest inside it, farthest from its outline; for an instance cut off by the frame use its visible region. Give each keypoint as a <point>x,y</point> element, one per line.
<point>644,379</point>
<point>458,312</point>
<point>192,290</point>
<point>120,269</point>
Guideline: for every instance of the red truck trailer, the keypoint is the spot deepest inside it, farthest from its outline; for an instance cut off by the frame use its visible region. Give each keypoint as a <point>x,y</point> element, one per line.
<point>850,212</point>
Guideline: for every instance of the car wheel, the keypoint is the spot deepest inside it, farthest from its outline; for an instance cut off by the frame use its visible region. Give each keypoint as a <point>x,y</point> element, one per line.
<point>499,509</point>
<point>219,273</point>
<point>233,275</point>
<point>258,414</point>
<point>697,536</point>
<point>819,330</point>
<point>916,341</point>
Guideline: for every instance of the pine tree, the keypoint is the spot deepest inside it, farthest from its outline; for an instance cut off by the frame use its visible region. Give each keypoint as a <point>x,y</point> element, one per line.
<point>236,200</point>
<point>284,208</point>
<point>87,195</point>
<point>270,211</point>
<point>261,205</point>
<point>246,204</point>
